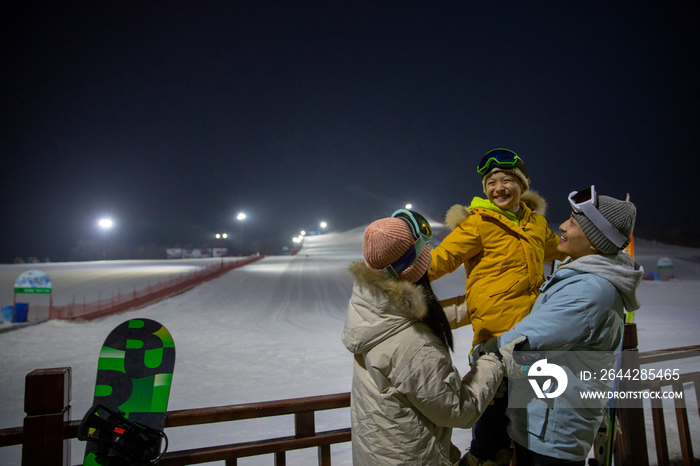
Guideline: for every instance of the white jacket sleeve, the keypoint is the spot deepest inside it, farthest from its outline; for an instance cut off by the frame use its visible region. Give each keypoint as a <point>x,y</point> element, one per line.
<point>432,384</point>
<point>456,311</point>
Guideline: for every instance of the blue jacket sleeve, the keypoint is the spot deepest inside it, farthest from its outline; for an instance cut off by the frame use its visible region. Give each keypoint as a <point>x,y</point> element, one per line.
<point>564,315</point>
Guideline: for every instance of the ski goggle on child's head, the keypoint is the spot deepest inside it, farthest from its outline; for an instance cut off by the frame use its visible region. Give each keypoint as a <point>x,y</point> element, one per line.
<point>421,231</point>
<point>501,158</point>
<point>586,202</point>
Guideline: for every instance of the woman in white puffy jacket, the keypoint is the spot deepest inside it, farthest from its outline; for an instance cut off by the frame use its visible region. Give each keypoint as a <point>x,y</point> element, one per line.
<point>406,393</point>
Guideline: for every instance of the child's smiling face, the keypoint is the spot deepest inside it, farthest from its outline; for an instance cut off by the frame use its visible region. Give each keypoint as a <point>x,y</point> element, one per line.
<point>504,189</point>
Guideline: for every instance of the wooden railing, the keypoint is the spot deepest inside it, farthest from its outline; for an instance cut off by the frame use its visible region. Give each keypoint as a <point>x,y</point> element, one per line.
<point>681,412</point>
<point>47,426</point>
<point>631,446</point>
<point>305,435</point>
<point>45,436</point>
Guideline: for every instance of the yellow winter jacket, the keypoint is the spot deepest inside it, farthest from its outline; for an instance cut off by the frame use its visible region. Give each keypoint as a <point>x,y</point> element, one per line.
<point>503,260</point>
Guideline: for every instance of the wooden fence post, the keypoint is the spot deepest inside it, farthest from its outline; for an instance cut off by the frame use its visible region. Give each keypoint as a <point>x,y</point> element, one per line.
<point>324,455</point>
<point>304,425</point>
<point>47,397</point>
<point>683,427</point>
<point>660,439</point>
<point>631,445</point>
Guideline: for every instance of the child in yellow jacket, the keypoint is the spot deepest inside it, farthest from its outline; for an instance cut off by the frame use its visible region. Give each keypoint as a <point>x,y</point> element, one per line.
<point>502,241</point>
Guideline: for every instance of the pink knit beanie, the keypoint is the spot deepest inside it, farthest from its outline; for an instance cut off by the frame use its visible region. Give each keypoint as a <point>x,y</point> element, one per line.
<point>386,240</point>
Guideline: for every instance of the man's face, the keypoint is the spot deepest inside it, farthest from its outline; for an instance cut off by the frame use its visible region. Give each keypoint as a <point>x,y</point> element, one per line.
<point>573,241</point>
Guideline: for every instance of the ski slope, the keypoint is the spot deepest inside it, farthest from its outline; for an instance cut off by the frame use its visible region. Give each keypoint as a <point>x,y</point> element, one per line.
<point>271,330</point>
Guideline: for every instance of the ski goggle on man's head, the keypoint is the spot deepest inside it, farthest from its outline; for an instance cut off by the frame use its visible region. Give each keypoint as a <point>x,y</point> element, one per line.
<point>501,158</point>
<point>421,231</point>
<point>586,202</point>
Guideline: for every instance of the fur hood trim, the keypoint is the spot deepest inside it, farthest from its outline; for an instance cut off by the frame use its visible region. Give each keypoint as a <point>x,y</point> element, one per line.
<point>406,299</point>
<point>535,202</point>
<point>458,213</point>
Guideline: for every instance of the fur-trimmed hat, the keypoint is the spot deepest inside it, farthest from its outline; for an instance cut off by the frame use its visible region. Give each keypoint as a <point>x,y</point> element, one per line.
<point>621,214</point>
<point>386,240</point>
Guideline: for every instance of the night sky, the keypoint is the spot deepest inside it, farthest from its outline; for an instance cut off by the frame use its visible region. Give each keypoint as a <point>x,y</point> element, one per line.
<point>171,117</point>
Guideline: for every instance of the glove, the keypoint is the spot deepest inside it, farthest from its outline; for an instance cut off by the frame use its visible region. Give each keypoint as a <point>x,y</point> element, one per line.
<point>487,347</point>
<point>513,369</point>
<point>475,354</point>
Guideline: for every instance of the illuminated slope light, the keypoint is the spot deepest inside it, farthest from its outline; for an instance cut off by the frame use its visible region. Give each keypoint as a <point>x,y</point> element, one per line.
<point>324,224</point>
<point>409,206</point>
<point>240,216</point>
<point>303,233</point>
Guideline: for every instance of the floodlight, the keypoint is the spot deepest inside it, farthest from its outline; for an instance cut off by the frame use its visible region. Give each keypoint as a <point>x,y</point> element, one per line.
<point>241,216</point>
<point>105,223</point>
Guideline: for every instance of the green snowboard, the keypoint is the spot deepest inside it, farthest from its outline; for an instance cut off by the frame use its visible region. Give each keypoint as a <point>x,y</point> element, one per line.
<point>134,374</point>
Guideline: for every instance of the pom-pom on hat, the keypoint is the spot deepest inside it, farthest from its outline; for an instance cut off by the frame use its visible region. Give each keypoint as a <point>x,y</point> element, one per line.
<point>386,240</point>
<point>621,214</point>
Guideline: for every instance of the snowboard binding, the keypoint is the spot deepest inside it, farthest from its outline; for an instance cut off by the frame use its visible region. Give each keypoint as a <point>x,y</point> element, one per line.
<point>120,440</point>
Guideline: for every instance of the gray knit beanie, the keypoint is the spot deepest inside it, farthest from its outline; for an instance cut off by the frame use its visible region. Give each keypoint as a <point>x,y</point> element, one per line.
<point>621,214</point>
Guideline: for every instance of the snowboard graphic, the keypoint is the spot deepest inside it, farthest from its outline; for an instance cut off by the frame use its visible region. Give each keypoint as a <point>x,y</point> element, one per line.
<point>134,374</point>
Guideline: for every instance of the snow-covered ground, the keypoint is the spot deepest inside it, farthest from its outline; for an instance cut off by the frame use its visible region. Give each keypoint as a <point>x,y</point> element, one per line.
<point>271,330</point>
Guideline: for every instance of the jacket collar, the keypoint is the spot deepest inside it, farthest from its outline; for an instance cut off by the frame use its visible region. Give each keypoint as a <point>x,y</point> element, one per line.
<point>406,299</point>
<point>531,202</point>
<point>380,307</point>
<point>620,270</point>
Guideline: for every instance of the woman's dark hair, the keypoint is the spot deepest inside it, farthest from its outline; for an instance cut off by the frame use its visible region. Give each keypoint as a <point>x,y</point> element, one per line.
<point>435,318</point>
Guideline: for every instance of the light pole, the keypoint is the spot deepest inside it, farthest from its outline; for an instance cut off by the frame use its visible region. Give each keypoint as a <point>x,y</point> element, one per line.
<point>240,217</point>
<point>409,206</point>
<point>105,224</point>
<point>323,226</point>
<point>221,237</point>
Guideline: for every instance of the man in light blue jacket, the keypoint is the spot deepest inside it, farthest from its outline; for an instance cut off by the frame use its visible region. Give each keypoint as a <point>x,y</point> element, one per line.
<point>581,312</point>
